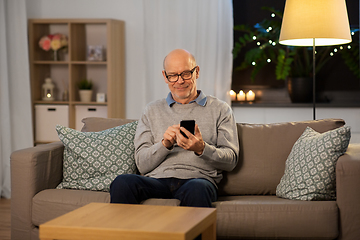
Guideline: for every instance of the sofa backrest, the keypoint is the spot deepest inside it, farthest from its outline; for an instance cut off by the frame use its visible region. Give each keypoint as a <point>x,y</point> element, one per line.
<point>96,124</point>
<point>264,149</point>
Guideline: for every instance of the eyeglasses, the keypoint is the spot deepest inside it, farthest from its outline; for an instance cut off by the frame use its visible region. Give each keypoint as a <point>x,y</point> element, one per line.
<point>185,75</point>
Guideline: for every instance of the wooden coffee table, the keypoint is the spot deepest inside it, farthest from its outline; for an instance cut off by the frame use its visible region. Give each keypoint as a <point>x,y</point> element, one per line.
<point>124,221</point>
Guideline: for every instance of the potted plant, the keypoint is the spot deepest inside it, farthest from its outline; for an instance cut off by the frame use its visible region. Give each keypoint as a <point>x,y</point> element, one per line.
<point>261,46</point>
<point>85,90</point>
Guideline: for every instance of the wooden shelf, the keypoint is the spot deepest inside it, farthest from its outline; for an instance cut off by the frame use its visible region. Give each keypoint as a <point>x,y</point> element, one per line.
<point>50,62</point>
<point>89,62</point>
<point>89,103</point>
<point>51,102</point>
<point>107,76</point>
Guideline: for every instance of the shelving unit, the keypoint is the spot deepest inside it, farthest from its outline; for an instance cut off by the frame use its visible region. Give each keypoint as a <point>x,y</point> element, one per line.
<point>107,76</point>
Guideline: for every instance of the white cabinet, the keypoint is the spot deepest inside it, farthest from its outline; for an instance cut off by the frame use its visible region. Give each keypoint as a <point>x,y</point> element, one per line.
<point>47,117</point>
<point>88,111</point>
<point>350,115</point>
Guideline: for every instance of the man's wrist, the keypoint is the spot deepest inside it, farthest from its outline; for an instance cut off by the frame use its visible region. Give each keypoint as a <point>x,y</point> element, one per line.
<point>199,153</point>
<point>165,145</point>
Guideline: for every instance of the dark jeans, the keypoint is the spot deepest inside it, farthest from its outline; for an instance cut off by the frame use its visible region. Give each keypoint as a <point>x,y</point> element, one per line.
<point>133,189</point>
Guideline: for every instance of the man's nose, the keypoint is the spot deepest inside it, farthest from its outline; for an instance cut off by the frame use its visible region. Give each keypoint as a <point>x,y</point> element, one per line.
<point>180,80</point>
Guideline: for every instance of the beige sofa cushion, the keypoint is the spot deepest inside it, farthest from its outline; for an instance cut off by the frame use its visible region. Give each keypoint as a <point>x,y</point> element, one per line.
<point>269,217</point>
<point>96,124</point>
<point>264,149</point>
<point>51,203</point>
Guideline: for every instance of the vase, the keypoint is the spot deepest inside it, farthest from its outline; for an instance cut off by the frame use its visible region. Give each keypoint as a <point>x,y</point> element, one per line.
<point>65,95</point>
<point>300,89</point>
<point>55,55</point>
<point>85,95</point>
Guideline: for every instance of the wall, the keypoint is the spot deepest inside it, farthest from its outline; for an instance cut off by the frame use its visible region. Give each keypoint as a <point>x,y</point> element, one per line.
<point>131,12</point>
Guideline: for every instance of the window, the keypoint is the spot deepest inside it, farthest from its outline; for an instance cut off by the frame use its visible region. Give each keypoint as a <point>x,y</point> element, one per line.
<point>335,82</point>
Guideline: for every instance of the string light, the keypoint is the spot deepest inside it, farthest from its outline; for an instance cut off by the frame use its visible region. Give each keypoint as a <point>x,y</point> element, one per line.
<point>331,54</point>
<point>254,37</point>
<point>335,50</point>
<point>269,60</point>
<point>274,43</point>
<point>273,15</point>
<point>349,47</point>
<point>253,63</point>
<point>258,43</point>
<point>341,48</point>
<point>270,41</point>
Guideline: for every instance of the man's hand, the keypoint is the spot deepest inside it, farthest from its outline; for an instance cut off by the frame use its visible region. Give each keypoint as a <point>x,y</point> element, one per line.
<point>169,137</point>
<point>193,142</point>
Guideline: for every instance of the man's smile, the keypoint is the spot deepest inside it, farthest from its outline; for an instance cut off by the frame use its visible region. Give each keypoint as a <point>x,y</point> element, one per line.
<point>182,87</point>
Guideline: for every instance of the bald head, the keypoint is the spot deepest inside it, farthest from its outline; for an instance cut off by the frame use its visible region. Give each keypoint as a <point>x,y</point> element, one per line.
<point>178,56</point>
<point>176,63</point>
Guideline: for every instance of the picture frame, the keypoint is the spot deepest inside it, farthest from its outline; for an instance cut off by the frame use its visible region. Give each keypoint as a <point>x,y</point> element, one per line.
<point>100,97</point>
<point>95,53</point>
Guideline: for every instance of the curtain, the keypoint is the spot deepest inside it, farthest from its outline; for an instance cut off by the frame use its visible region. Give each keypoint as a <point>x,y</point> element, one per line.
<point>15,103</point>
<point>203,27</point>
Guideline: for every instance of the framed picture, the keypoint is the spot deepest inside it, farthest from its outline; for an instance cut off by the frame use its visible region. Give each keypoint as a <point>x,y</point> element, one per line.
<point>95,53</point>
<point>100,97</point>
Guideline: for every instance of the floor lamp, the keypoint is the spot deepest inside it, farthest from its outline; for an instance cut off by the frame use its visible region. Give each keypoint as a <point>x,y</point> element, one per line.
<point>315,23</point>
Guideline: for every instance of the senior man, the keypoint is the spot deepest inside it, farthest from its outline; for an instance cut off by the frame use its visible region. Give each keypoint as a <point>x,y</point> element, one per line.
<point>172,165</point>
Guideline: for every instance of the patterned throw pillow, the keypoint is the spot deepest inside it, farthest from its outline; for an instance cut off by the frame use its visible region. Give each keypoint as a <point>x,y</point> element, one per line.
<point>310,167</point>
<point>92,160</point>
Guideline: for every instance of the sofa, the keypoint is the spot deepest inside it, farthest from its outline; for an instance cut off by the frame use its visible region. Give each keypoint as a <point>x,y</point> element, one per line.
<point>247,206</point>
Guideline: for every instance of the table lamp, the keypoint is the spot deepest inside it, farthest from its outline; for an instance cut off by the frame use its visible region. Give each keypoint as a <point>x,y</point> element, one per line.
<point>315,23</point>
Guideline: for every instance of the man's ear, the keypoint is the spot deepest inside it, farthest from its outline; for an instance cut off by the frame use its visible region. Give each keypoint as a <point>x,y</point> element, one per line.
<point>165,78</point>
<point>197,72</point>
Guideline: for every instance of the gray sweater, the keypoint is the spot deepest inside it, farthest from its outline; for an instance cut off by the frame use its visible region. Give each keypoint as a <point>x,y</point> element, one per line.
<point>217,126</point>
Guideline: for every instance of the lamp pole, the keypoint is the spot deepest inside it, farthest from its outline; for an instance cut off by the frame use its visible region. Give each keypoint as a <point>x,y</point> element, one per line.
<point>314,73</point>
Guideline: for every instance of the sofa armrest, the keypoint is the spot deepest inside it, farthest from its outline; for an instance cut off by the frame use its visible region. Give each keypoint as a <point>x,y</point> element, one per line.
<point>348,192</point>
<point>32,170</point>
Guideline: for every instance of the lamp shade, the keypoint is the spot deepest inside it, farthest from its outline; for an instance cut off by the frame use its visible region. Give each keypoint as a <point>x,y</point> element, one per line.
<point>326,21</point>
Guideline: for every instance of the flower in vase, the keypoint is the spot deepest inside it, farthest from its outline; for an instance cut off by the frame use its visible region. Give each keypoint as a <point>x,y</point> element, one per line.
<point>63,40</point>
<point>53,41</point>
<point>44,43</point>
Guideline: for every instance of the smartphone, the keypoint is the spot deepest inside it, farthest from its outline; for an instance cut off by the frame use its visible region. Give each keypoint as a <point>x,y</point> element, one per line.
<point>188,125</point>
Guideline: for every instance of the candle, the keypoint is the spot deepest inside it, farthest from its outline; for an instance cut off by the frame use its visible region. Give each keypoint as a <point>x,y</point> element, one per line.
<point>241,96</point>
<point>250,96</point>
<point>232,95</point>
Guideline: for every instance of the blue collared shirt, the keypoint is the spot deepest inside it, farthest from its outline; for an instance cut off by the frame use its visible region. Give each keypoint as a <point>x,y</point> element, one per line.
<point>201,99</point>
